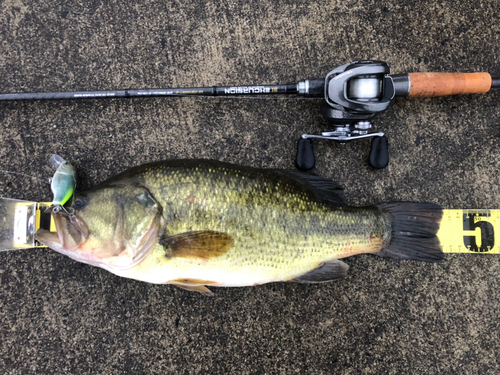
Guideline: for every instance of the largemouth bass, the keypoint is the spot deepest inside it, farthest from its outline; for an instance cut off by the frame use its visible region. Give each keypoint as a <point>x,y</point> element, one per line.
<point>197,223</point>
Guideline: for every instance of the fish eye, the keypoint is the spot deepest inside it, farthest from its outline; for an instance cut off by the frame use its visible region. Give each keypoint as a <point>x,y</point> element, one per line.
<point>146,199</point>
<point>78,203</point>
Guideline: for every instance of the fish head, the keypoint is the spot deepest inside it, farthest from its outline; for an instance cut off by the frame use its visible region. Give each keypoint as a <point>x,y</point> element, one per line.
<point>113,227</point>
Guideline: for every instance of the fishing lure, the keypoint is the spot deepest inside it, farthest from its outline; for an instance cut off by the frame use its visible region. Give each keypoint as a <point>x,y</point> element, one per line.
<point>64,181</point>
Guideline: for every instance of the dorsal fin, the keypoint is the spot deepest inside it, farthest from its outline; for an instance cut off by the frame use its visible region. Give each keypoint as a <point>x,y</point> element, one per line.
<point>323,188</point>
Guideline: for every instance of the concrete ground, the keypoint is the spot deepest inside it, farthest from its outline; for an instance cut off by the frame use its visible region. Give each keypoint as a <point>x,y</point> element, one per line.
<point>58,316</point>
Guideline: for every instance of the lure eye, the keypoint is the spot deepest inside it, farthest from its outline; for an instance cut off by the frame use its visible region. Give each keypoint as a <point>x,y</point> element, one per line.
<point>79,203</point>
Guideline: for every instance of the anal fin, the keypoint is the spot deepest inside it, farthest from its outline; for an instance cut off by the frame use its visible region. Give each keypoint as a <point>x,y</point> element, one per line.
<point>327,271</point>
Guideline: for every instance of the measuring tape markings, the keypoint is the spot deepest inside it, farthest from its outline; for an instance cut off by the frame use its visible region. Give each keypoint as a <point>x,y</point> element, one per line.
<point>44,219</point>
<point>470,231</point>
<point>460,231</point>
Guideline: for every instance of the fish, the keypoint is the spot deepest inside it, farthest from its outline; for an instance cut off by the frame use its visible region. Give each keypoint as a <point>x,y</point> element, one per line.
<point>201,223</point>
<point>63,182</point>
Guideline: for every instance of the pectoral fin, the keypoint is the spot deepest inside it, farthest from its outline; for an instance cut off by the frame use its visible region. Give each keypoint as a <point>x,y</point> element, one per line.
<point>199,244</point>
<point>327,271</point>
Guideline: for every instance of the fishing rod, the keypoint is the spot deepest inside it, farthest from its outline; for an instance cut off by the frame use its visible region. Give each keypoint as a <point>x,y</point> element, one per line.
<point>353,94</point>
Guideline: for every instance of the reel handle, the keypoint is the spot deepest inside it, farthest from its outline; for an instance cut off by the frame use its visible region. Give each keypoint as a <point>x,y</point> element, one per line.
<point>378,159</point>
<point>305,160</point>
<point>379,152</point>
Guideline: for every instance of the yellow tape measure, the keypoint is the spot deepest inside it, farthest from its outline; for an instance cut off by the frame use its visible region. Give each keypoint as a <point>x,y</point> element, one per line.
<point>40,209</point>
<point>28,218</point>
<point>470,231</point>
<point>461,231</point>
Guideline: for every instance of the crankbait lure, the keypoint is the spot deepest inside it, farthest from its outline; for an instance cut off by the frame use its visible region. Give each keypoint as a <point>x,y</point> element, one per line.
<point>64,181</point>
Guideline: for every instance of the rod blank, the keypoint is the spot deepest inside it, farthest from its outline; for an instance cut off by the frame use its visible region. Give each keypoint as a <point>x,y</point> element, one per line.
<point>175,92</point>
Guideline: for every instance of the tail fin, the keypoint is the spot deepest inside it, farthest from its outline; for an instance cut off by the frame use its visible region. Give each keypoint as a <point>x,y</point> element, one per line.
<point>413,231</point>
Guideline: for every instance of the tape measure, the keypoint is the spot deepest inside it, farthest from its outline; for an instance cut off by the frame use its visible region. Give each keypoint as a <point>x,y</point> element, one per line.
<point>470,231</point>
<point>460,231</point>
<point>43,219</point>
<point>19,221</point>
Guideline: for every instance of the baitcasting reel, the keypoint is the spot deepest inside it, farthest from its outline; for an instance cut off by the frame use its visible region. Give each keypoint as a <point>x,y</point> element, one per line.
<point>354,93</point>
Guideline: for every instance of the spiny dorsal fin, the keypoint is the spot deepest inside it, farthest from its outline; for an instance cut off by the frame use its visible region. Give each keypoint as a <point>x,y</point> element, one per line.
<point>327,271</point>
<point>200,244</point>
<point>325,189</point>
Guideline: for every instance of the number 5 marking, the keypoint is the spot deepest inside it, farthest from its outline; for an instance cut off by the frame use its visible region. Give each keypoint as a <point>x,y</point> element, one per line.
<point>486,238</point>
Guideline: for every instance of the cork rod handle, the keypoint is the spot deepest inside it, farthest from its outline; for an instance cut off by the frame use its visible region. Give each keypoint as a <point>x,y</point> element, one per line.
<point>442,84</point>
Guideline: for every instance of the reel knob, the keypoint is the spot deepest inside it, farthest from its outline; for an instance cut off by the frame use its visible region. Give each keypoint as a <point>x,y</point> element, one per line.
<point>305,154</point>
<point>379,153</point>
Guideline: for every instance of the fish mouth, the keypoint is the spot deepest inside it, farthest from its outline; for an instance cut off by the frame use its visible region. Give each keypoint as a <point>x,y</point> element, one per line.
<point>71,233</point>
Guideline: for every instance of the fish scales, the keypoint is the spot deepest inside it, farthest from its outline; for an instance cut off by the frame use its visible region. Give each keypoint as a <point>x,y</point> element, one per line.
<point>279,230</point>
